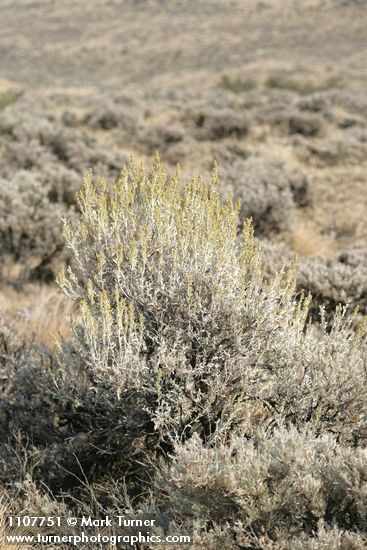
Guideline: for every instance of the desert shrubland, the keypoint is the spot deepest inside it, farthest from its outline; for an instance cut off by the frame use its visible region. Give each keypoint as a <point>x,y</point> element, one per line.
<point>192,374</point>
<point>217,124</point>
<point>197,377</point>
<point>269,146</point>
<point>330,282</point>
<point>287,490</point>
<point>268,190</point>
<point>183,268</point>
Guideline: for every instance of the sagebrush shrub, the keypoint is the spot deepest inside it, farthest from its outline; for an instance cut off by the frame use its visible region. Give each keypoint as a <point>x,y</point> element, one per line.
<point>50,430</point>
<point>330,282</point>
<point>30,225</point>
<point>109,116</point>
<point>238,85</point>
<point>177,313</point>
<point>152,138</point>
<point>269,492</point>
<point>292,121</point>
<point>160,277</point>
<point>307,125</point>
<point>41,161</point>
<point>346,149</point>
<point>303,87</point>
<point>192,375</point>
<point>335,282</point>
<point>219,124</point>
<point>268,191</point>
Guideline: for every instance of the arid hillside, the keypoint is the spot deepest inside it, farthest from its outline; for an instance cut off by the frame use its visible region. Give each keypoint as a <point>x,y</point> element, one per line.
<point>152,44</point>
<point>160,350</point>
<point>272,91</point>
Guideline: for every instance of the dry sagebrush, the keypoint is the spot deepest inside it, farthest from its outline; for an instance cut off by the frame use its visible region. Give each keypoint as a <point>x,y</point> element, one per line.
<point>177,319</point>
<point>330,282</point>
<point>285,491</point>
<point>41,159</point>
<point>47,141</point>
<point>268,190</point>
<point>194,378</point>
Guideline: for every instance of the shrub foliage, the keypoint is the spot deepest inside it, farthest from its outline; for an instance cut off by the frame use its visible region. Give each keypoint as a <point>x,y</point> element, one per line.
<point>197,378</point>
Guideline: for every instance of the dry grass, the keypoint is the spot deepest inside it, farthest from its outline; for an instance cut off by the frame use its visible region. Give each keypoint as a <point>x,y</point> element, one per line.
<point>306,241</point>
<point>5,512</point>
<point>307,238</point>
<point>39,312</point>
